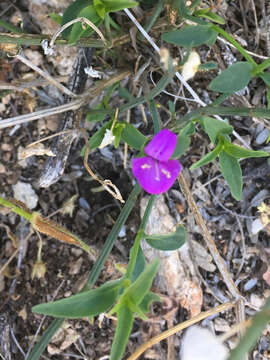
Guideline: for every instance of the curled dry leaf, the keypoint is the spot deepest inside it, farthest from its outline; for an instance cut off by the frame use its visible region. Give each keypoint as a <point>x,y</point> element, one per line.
<point>37,149</point>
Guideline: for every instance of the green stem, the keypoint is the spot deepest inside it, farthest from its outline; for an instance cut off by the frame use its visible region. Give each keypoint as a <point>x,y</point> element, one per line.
<point>112,237</point>
<point>260,68</point>
<point>30,39</point>
<point>16,209</point>
<point>223,111</point>
<point>135,248</point>
<point>235,43</point>
<point>155,14</point>
<point>155,117</point>
<point>108,27</point>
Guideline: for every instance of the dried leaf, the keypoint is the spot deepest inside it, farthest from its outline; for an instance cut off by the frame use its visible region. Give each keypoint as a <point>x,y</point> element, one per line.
<point>37,149</point>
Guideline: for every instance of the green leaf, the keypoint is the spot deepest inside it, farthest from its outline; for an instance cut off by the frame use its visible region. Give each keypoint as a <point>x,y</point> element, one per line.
<point>191,36</point>
<point>100,8</point>
<point>182,145</point>
<point>56,18</point>
<point>71,13</point>
<point>214,127</point>
<point>166,242</point>
<point>117,131</point>
<point>266,78</point>
<point>233,79</point>
<point>117,5</point>
<point>133,137</point>
<point>123,329</point>
<point>88,303</point>
<point>96,117</point>
<point>232,173</point>
<point>139,266</point>
<point>188,130</point>
<point>98,136</point>
<point>253,332</point>
<point>241,153</point>
<point>125,94</point>
<point>206,159</point>
<point>183,140</point>
<point>208,14</point>
<point>79,29</point>
<point>140,287</point>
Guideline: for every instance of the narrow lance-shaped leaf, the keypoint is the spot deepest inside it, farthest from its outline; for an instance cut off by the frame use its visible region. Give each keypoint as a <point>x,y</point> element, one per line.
<point>137,290</point>
<point>241,153</point>
<point>167,242</point>
<point>206,159</point>
<point>123,329</point>
<point>232,173</point>
<point>87,303</point>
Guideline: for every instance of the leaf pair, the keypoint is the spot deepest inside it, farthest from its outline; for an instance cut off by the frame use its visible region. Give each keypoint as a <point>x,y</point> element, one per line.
<point>135,298</point>
<point>228,153</point>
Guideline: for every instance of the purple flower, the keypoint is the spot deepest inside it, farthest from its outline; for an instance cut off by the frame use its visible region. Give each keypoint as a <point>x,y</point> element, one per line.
<point>155,172</point>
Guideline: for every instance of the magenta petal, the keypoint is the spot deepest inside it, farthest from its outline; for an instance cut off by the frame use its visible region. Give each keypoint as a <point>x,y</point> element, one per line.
<point>162,145</point>
<point>155,176</point>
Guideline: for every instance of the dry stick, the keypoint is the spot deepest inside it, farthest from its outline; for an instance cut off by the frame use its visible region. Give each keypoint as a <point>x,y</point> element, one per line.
<point>208,239</point>
<point>179,327</point>
<point>72,105</point>
<point>21,119</point>
<point>22,86</point>
<point>46,75</point>
<point>240,306</point>
<point>9,260</point>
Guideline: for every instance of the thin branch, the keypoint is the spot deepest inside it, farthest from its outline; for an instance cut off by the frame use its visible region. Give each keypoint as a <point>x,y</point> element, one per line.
<point>179,327</point>
<point>208,239</point>
<point>45,75</point>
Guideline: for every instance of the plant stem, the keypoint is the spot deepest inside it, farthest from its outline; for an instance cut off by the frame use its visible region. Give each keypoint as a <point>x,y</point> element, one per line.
<point>235,43</point>
<point>225,111</point>
<point>16,209</point>
<point>260,68</point>
<point>31,39</point>
<point>112,237</point>
<point>135,248</point>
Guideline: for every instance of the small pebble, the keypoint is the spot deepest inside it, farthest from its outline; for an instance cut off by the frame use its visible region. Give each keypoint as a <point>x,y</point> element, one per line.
<point>262,137</point>
<point>250,284</point>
